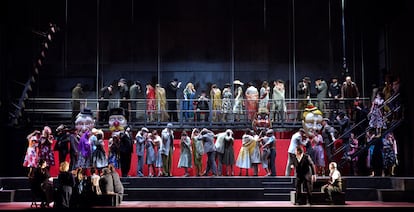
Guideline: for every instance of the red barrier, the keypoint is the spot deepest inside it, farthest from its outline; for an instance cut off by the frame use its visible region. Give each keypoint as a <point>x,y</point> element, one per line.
<point>281,160</point>
<point>281,156</point>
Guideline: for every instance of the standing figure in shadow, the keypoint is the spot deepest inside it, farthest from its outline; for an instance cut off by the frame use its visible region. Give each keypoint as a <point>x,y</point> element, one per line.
<point>305,175</point>
<point>171,93</point>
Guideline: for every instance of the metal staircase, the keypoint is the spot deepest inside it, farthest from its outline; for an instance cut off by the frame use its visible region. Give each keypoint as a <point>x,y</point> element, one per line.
<point>391,126</point>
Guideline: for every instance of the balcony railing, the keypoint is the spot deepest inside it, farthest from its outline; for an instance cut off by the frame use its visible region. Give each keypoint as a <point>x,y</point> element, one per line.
<point>55,111</point>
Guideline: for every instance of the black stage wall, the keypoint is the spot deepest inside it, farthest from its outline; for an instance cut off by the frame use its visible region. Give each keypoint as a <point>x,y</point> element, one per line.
<point>204,42</point>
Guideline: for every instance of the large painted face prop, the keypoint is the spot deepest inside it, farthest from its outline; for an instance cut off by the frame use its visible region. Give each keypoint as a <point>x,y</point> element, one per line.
<point>312,118</point>
<point>84,121</point>
<point>262,121</point>
<point>117,120</point>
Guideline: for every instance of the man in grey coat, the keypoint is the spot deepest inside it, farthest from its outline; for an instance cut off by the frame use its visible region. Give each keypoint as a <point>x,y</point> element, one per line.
<point>209,148</point>
<point>140,139</point>
<point>167,148</point>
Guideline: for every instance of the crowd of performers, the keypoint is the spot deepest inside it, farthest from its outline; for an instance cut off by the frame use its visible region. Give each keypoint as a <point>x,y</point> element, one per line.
<point>85,159</point>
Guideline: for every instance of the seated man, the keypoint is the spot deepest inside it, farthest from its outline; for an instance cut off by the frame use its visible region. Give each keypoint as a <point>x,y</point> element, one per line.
<point>335,182</point>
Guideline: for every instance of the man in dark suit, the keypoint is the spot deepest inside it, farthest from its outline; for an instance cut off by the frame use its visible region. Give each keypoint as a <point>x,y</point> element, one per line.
<point>171,94</point>
<point>105,95</point>
<point>305,175</point>
<point>77,94</point>
<point>125,151</point>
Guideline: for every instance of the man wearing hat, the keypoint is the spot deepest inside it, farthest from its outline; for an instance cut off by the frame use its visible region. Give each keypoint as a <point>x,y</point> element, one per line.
<point>73,142</point>
<point>303,90</point>
<point>140,140</point>
<point>117,121</point>
<point>84,121</point>
<point>321,93</point>
<point>334,93</point>
<point>77,94</point>
<point>105,95</point>
<point>167,136</point>
<point>124,96</point>
<point>171,94</point>
<point>125,151</point>
<point>137,96</point>
<point>328,136</point>
<point>298,139</point>
<point>61,145</point>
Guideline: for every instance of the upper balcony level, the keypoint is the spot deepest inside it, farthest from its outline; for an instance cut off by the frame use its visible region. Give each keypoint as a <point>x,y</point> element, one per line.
<point>55,111</point>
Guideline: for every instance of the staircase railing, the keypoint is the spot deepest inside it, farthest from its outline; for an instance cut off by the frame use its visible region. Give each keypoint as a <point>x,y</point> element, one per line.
<point>391,127</point>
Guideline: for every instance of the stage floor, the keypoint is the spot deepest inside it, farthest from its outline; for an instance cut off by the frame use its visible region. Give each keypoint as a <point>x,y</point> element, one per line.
<point>255,205</point>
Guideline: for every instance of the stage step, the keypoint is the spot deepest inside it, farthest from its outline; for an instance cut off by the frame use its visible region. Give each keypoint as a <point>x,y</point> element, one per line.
<point>235,188</point>
<point>208,188</point>
<point>7,195</point>
<point>403,190</point>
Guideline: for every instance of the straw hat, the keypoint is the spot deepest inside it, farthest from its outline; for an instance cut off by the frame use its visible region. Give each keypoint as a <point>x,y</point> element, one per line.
<point>237,82</point>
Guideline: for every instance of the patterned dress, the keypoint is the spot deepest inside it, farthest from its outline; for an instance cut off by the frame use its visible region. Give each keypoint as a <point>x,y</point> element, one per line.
<point>46,152</point>
<point>226,101</point>
<point>376,117</point>
<point>30,159</point>
<point>389,152</point>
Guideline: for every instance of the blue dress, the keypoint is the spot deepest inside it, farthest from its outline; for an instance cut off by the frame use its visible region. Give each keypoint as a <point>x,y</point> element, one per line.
<point>188,106</point>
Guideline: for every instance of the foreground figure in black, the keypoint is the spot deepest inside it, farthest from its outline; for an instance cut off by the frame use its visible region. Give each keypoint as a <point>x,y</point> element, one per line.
<point>305,175</point>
